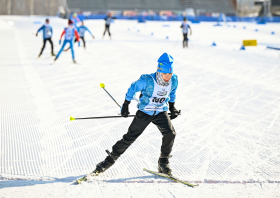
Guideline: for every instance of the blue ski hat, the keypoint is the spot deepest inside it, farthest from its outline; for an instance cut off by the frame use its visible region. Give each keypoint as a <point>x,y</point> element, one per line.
<point>165,63</point>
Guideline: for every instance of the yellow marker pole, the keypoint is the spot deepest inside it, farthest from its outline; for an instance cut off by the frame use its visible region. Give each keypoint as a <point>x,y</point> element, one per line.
<point>102,85</point>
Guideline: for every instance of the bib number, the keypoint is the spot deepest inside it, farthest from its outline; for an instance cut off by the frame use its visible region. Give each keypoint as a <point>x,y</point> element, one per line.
<point>158,100</point>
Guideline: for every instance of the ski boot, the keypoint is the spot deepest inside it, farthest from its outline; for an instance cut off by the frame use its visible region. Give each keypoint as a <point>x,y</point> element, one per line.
<point>104,165</point>
<point>53,54</point>
<point>163,166</point>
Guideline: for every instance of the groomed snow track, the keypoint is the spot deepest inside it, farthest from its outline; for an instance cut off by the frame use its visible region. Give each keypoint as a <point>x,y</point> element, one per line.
<point>228,137</point>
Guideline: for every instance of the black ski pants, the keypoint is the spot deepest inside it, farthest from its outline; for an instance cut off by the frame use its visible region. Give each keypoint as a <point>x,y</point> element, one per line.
<point>138,125</point>
<point>83,39</point>
<point>185,40</point>
<point>107,28</point>
<point>44,44</point>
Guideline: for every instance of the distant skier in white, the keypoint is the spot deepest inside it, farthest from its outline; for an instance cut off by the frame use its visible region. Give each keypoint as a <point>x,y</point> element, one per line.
<point>185,28</point>
<point>157,89</point>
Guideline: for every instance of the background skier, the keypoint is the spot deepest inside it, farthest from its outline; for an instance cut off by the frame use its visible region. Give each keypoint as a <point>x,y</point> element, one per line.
<point>81,30</point>
<point>69,32</point>
<point>47,36</point>
<point>185,27</point>
<point>108,20</point>
<point>75,20</point>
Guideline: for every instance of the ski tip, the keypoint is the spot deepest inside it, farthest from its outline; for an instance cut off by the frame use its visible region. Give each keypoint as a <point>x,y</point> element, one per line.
<point>71,118</point>
<point>102,85</point>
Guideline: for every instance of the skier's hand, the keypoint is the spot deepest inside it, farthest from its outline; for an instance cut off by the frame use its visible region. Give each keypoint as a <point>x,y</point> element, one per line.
<point>59,42</point>
<point>173,110</point>
<point>36,34</point>
<point>124,110</point>
<point>79,44</point>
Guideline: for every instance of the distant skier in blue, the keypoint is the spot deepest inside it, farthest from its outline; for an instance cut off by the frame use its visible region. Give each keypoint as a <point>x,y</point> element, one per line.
<point>81,30</point>
<point>109,20</point>
<point>47,36</point>
<point>157,89</point>
<point>69,32</point>
<point>75,19</point>
<point>185,28</point>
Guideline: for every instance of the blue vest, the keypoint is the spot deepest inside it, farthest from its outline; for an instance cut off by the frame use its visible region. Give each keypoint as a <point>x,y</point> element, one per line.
<point>155,97</point>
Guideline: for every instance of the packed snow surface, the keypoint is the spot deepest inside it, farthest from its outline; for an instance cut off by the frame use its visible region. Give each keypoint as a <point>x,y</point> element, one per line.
<point>228,136</point>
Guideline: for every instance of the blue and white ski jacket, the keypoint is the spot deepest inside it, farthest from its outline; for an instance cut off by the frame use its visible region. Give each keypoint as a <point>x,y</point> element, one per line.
<point>109,20</point>
<point>185,28</point>
<point>47,31</point>
<point>76,21</point>
<point>82,29</point>
<point>153,96</point>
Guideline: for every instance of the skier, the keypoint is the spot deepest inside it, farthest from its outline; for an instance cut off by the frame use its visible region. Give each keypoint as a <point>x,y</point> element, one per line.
<point>185,26</point>
<point>47,36</point>
<point>75,19</point>
<point>108,20</point>
<point>81,30</point>
<point>69,32</point>
<point>157,89</point>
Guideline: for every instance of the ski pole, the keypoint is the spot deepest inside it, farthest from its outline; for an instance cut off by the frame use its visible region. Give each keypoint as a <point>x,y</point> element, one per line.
<point>102,85</point>
<point>72,119</point>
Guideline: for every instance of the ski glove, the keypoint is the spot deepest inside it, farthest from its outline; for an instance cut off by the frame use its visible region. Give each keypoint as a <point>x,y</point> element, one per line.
<point>124,110</point>
<point>173,110</point>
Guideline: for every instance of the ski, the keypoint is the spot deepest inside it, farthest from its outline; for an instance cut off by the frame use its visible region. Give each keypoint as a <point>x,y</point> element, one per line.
<point>86,178</point>
<point>170,177</point>
<point>79,181</point>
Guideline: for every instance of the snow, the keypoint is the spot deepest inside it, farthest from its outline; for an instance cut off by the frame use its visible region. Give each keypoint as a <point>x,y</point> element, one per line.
<point>227,136</point>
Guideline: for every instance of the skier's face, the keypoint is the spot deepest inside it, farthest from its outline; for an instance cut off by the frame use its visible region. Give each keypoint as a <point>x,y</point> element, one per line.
<point>166,77</point>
